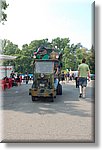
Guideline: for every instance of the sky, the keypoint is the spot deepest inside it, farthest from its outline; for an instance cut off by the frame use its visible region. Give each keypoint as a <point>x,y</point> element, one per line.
<point>30,20</point>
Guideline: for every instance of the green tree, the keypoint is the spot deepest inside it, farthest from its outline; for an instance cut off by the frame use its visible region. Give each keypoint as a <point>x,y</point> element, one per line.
<point>3,7</point>
<point>70,57</point>
<point>72,54</point>
<point>60,43</point>
<point>91,60</point>
<point>9,48</point>
<point>80,54</point>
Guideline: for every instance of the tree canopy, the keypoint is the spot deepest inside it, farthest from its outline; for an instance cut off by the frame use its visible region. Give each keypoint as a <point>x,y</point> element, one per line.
<point>72,54</point>
<point>3,7</point>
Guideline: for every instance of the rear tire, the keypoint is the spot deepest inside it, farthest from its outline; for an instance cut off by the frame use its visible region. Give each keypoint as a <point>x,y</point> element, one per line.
<point>59,89</point>
<point>51,99</point>
<point>33,99</point>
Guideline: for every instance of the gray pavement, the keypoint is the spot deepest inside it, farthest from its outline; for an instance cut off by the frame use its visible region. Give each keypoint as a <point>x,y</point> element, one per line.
<point>67,119</point>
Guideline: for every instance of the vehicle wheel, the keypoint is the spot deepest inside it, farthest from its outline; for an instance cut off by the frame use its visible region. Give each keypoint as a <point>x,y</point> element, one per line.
<point>33,98</point>
<point>51,99</point>
<point>59,89</point>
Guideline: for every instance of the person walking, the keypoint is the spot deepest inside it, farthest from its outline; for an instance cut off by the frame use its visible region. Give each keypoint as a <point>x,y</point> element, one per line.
<point>83,73</point>
<point>26,77</point>
<point>76,79</point>
<point>62,77</point>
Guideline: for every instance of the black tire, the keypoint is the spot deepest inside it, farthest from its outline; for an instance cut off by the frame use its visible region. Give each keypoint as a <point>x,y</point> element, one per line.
<point>59,89</point>
<point>51,99</point>
<point>33,98</point>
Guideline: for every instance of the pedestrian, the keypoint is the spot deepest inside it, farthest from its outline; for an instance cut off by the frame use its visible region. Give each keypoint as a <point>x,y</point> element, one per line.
<point>62,77</point>
<point>67,76</point>
<point>83,73</point>
<point>12,75</point>
<point>18,80</point>
<point>26,77</point>
<point>56,71</point>
<point>70,76</point>
<point>76,79</point>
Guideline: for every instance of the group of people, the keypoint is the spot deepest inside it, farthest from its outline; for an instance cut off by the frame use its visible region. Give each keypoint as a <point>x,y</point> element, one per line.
<point>69,76</point>
<point>18,78</point>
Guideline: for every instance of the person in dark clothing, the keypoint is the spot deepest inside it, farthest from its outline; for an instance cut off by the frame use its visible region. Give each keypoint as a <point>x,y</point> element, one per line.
<point>83,73</point>
<point>26,77</point>
<point>76,79</point>
<point>62,77</point>
<point>12,75</point>
<point>18,80</point>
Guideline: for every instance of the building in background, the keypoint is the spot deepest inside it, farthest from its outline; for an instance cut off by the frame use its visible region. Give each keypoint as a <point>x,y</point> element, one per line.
<point>6,70</point>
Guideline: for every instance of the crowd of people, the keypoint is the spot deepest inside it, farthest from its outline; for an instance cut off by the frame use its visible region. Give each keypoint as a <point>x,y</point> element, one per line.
<point>69,76</point>
<point>18,77</point>
<point>15,79</point>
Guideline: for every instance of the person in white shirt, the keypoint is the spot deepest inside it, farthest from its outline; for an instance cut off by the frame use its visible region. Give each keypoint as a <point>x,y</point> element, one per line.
<point>76,79</point>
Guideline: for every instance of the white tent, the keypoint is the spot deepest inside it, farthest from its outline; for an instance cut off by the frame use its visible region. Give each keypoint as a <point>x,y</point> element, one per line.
<point>6,70</point>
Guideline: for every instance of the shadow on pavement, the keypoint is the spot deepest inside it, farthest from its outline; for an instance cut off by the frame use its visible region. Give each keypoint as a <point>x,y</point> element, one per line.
<point>18,99</point>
